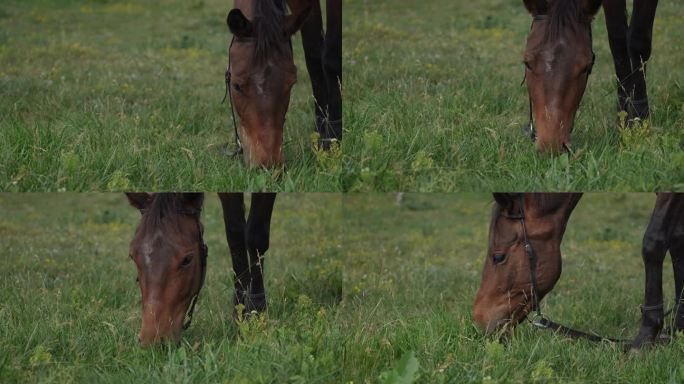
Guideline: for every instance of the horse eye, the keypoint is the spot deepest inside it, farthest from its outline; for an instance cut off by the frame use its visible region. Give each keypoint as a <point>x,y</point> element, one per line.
<point>499,258</point>
<point>238,89</point>
<point>186,261</point>
<point>527,64</point>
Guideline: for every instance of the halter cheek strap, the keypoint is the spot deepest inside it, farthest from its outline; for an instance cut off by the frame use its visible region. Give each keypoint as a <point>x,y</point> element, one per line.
<point>532,259</point>
<point>238,144</point>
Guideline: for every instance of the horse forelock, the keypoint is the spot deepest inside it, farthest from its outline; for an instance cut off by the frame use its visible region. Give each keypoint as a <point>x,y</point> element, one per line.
<point>269,21</point>
<point>163,206</point>
<point>563,15</point>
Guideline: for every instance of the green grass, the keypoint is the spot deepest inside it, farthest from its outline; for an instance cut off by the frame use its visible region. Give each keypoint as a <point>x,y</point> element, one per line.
<point>114,95</point>
<point>411,281</point>
<point>433,102</point>
<point>70,306</point>
<point>361,289</point>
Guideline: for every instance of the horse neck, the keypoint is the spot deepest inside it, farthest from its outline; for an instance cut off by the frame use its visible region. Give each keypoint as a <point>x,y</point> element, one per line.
<point>566,211</point>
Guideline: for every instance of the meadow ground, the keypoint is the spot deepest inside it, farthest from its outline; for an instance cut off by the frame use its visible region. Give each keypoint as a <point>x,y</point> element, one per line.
<point>116,95</point>
<point>70,306</point>
<point>433,102</point>
<point>412,272</point>
<point>350,293</point>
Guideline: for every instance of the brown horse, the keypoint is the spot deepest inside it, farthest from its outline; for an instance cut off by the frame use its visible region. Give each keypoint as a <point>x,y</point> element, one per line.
<point>524,245</point>
<point>171,257</point>
<point>559,58</point>
<point>505,292</point>
<point>261,71</point>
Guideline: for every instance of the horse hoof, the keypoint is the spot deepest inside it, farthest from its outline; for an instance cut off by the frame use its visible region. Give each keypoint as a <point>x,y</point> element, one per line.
<point>248,305</point>
<point>255,302</point>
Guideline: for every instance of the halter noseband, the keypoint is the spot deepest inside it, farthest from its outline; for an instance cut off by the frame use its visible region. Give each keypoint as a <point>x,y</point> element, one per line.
<point>204,254</point>
<point>529,128</point>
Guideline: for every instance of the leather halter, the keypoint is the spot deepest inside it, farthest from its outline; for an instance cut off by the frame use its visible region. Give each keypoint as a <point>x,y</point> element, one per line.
<point>529,129</point>
<point>228,76</point>
<point>204,254</point>
<point>541,320</point>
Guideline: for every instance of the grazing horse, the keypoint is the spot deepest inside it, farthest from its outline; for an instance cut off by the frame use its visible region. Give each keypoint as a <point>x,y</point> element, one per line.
<point>559,58</point>
<point>261,71</point>
<point>524,262</point>
<point>171,257</point>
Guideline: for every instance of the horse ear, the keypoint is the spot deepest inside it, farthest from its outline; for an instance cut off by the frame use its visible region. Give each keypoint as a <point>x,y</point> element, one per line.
<point>193,200</point>
<point>501,198</point>
<point>295,21</point>
<point>591,7</point>
<point>138,200</point>
<point>238,24</point>
<point>537,7</point>
<point>505,200</point>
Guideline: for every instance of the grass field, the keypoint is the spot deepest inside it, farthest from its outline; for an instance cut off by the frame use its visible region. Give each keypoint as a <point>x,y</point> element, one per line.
<point>354,282</point>
<point>111,95</point>
<point>411,281</point>
<point>70,306</point>
<point>433,102</point>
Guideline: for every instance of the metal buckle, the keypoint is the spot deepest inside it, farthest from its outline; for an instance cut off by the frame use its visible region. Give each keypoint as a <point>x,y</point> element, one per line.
<point>233,150</point>
<point>539,320</point>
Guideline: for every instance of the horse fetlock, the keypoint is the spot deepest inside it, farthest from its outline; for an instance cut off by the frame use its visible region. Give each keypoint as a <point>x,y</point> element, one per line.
<point>245,304</point>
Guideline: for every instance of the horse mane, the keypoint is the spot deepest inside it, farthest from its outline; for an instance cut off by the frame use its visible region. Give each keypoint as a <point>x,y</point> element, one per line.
<point>269,19</point>
<point>563,14</point>
<point>162,205</point>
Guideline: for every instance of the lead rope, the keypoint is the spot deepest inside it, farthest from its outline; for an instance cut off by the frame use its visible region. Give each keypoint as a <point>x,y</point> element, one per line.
<point>528,129</point>
<point>238,144</point>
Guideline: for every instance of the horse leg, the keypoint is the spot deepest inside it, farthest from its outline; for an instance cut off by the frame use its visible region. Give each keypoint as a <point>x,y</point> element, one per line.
<point>640,37</point>
<point>312,41</point>
<point>258,231</point>
<point>234,219</point>
<point>653,252</point>
<point>616,24</point>
<point>332,63</point>
<point>677,253</point>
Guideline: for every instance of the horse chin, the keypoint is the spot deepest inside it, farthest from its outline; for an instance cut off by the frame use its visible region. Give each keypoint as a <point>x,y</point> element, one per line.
<point>174,339</point>
<point>162,333</point>
<point>258,155</point>
<point>500,321</point>
<point>553,136</point>
<point>554,148</point>
<point>503,328</point>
